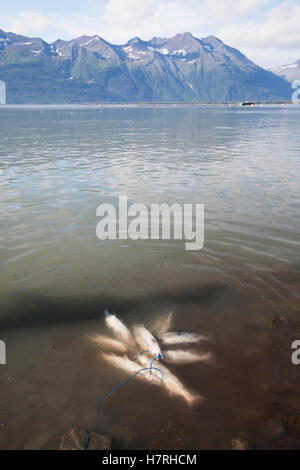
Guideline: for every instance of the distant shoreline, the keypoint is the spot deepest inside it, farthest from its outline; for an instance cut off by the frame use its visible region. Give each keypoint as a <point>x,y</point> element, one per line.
<point>139,105</point>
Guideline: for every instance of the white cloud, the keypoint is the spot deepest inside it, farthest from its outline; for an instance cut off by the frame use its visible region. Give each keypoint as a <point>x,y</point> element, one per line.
<point>28,21</point>
<point>129,12</point>
<point>280,29</point>
<point>166,18</point>
<point>223,11</point>
<point>278,34</point>
<point>50,26</point>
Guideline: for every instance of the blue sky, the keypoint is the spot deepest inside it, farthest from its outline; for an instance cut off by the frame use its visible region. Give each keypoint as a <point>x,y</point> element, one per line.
<point>267,31</point>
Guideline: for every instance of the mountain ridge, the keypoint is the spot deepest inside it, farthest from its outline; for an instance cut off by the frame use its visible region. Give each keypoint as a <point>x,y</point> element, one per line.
<point>182,68</point>
<point>289,72</point>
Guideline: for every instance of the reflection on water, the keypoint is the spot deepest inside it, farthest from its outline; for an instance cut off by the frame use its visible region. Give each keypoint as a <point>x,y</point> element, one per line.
<point>56,277</point>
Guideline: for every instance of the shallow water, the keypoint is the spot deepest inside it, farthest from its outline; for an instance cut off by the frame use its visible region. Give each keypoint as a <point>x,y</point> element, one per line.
<point>56,277</point>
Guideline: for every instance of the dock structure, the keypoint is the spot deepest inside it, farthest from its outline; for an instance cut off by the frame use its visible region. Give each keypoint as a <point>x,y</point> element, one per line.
<point>2,92</point>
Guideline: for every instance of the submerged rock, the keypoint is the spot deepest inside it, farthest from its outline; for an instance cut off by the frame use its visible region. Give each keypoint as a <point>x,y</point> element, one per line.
<point>75,440</point>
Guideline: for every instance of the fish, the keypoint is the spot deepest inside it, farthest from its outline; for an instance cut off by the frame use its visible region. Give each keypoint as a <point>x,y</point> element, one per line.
<point>146,340</point>
<point>152,357</point>
<point>109,343</point>
<point>127,365</point>
<point>118,328</point>
<point>171,382</point>
<point>180,337</point>
<point>161,326</point>
<point>146,359</point>
<point>175,387</point>
<point>185,357</point>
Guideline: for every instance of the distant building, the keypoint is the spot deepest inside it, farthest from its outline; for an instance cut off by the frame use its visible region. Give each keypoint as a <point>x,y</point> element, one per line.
<point>2,92</point>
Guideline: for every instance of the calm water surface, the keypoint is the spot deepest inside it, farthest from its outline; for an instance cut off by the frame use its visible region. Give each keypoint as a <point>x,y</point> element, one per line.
<point>242,289</point>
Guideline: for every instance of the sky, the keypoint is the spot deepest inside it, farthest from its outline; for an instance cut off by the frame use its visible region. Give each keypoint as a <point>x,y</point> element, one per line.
<point>266,31</point>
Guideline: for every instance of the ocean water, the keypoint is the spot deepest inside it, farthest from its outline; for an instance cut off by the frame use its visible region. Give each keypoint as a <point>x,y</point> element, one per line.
<point>57,164</point>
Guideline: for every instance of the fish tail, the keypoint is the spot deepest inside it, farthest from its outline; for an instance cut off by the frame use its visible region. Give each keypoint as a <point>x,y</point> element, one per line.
<point>208,357</point>
<point>107,314</point>
<point>194,400</point>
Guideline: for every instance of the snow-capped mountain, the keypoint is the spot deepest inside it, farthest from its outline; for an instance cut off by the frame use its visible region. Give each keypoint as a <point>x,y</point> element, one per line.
<point>288,72</point>
<point>89,69</point>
